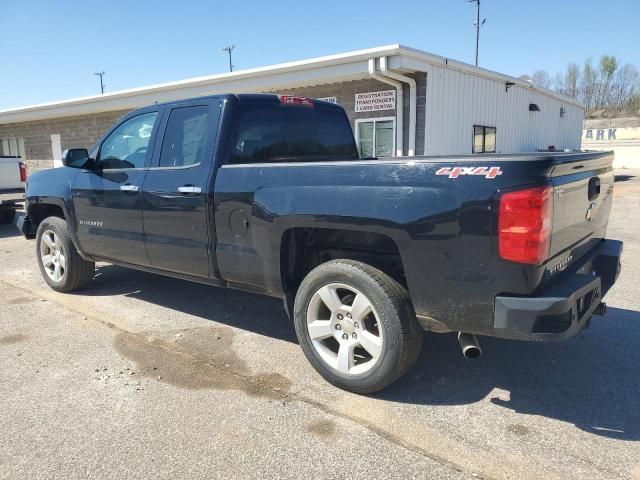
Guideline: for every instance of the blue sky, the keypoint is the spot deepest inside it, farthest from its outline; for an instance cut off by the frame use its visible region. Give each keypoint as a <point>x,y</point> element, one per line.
<point>50,49</point>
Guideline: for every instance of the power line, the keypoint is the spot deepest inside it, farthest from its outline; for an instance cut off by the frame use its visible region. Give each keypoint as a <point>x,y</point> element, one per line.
<point>229,49</point>
<point>102,85</point>
<point>478,25</point>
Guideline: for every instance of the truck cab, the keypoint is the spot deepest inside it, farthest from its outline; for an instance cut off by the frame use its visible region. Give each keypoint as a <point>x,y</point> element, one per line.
<point>144,196</point>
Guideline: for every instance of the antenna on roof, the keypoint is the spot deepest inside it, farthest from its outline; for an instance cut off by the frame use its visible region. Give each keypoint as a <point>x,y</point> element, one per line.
<point>229,49</point>
<point>102,85</point>
<point>477,24</point>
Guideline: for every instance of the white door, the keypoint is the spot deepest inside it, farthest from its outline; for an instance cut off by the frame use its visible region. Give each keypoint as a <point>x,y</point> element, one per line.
<point>56,150</point>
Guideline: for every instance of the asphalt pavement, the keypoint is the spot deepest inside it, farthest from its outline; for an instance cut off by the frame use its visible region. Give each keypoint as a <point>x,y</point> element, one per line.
<point>143,376</point>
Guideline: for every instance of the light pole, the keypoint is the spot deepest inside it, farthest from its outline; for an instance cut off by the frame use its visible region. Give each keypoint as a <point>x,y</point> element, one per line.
<point>101,74</point>
<point>229,49</point>
<point>478,25</point>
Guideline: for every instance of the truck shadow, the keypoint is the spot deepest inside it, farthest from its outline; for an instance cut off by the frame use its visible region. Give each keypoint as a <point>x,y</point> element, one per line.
<point>255,313</point>
<point>7,231</point>
<point>623,178</point>
<point>590,381</point>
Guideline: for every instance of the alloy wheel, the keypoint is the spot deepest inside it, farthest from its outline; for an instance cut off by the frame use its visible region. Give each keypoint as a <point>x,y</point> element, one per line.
<point>344,329</point>
<point>52,255</point>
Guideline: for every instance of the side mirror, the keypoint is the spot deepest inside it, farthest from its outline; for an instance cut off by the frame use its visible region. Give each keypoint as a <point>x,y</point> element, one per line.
<point>75,157</point>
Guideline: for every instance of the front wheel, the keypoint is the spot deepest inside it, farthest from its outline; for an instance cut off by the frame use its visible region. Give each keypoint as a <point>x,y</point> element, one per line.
<point>61,266</point>
<point>356,325</point>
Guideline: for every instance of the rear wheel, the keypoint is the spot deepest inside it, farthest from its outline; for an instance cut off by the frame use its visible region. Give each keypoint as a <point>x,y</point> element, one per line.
<point>356,325</point>
<point>60,264</point>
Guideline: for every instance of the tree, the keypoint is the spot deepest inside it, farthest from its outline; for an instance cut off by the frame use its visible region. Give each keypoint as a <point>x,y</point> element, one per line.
<point>557,84</point>
<point>633,105</point>
<point>541,78</point>
<point>571,80</point>
<point>624,86</point>
<point>606,88</point>
<point>588,84</point>
<point>607,69</point>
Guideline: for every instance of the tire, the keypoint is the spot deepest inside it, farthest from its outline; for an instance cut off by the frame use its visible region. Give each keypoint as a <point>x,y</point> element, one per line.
<point>7,215</point>
<point>382,319</point>
<point>61,266</point>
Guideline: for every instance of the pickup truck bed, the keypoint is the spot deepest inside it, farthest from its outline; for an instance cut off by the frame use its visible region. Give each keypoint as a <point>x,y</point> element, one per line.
<point>268,194</point>
<point>12,178</point>
<point>443,227</point>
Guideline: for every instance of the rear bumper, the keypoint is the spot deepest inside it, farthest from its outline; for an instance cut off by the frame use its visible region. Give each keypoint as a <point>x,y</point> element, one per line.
<point>11,197</point>
<point>565,307</point>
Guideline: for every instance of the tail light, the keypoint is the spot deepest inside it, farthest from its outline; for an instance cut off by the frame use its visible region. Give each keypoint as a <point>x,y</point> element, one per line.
<point>524,225</point>
<point>23,171</point>
<point>296,100</point>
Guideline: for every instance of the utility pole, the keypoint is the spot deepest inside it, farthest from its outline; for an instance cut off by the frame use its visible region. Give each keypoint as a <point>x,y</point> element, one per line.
<point>229,49</point>
<point>101,74</point>
<point>478,25</point>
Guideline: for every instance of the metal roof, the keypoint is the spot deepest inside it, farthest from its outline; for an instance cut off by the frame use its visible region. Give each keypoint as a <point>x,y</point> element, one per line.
<point>315,71</point>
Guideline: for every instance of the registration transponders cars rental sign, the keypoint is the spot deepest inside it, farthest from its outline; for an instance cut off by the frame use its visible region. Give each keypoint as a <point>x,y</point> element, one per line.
<point>374,101</point>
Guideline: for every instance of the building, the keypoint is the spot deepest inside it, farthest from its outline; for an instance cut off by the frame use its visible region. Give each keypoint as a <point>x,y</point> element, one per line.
<point>622,135</point>
<point>401,101</point>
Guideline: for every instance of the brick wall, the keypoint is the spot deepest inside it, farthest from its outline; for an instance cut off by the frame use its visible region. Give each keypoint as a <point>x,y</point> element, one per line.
<point>83,131</point>
<point>345,96</point>
<point>79,132</point>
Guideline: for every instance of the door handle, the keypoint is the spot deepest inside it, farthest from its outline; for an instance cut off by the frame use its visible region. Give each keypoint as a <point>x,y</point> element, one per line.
<point>189,189</point>
<point>129,188</point>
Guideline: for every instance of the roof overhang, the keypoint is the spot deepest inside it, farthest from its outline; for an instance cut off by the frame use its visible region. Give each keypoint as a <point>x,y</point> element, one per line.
<point>316,71</point>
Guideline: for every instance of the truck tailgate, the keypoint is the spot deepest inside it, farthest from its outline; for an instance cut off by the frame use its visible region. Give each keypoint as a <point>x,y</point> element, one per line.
<point>10,173</point>
<point>583,193</point>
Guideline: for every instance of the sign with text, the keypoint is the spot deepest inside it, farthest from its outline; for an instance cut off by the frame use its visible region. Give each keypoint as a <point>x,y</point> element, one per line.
<point>374,101</point>
<point>610,134</point>
<point>328,99</point>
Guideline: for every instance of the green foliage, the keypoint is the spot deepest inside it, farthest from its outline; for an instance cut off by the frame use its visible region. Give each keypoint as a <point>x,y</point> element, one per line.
<point>608,66</point>
<point>606,88</point>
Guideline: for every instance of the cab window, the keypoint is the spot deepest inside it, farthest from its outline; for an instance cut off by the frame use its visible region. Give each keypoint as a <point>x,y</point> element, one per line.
<point>185,137</point>
<point>279,133</point>
<point>127,145</point>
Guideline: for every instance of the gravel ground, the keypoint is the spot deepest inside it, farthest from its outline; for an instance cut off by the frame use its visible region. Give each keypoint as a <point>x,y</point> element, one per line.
<point>142,376</point>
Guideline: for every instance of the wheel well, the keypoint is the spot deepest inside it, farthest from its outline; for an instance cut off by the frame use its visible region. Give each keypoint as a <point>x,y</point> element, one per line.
<point>38,212</point>
<point>303,249</point>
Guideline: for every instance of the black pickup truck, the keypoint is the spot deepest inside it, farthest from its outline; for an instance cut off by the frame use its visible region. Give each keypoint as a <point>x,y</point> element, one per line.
<point>268,194</point>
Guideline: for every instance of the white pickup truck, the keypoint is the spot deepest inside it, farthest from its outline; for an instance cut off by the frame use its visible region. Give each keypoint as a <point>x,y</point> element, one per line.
<point>13,175</point>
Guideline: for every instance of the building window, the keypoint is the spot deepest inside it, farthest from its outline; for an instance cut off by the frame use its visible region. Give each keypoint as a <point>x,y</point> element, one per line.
<point>12,147</point>
<point>376,137</point>
<point>484,139</point>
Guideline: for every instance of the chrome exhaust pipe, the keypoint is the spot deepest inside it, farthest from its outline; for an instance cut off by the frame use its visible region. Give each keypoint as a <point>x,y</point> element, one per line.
<point>469,345</point>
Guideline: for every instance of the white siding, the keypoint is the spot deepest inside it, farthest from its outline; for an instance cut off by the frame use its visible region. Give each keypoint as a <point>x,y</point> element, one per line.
<point>456,101</point>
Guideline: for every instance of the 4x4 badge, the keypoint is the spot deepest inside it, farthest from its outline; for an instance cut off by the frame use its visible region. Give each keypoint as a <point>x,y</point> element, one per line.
<point>455,172</point>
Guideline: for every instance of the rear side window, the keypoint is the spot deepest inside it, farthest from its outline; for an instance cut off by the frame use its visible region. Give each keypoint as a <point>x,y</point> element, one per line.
<point>185,137</point>
<point>281,133</point>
